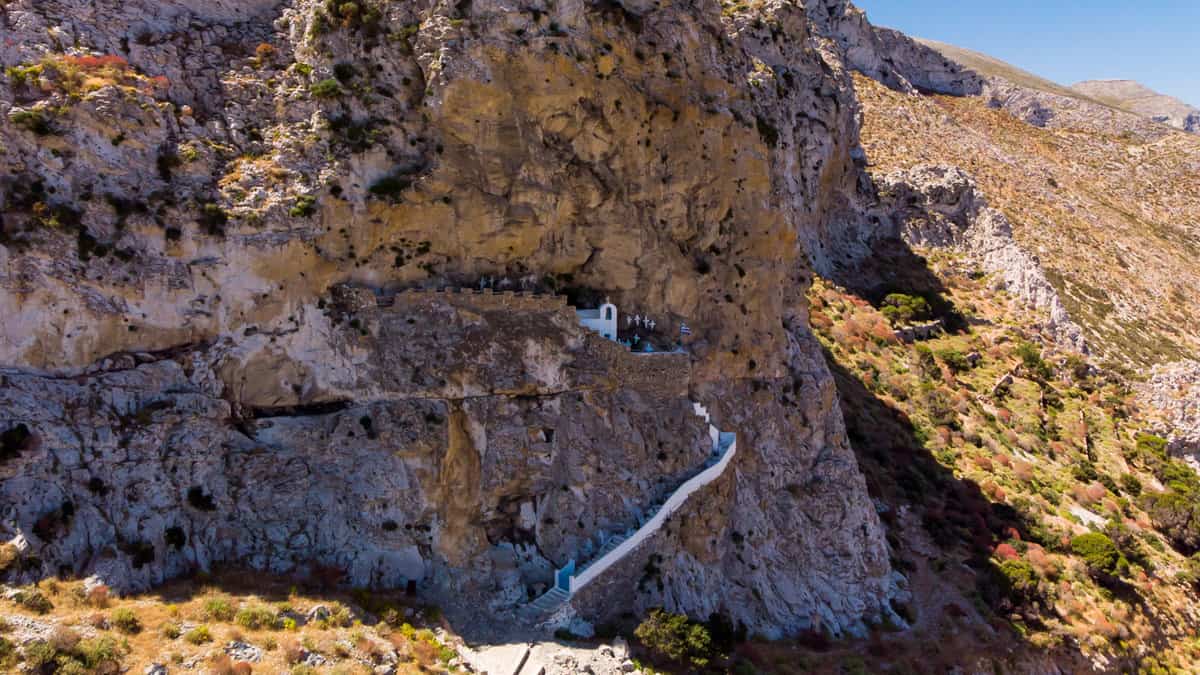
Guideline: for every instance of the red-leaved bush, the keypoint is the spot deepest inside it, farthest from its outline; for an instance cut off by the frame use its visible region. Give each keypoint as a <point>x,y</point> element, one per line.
<point>96,62</point>
<point>1006,552</point>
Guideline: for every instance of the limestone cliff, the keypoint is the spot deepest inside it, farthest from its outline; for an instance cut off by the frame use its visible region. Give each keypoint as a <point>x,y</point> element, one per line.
<point>184,184</point>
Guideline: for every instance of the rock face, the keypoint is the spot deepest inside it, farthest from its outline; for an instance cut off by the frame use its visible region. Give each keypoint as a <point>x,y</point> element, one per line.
<point>1144,101</point>
<point>1173,394</point>
<point>938,206</point>
<point>895,59</point>
<point>184,183</point>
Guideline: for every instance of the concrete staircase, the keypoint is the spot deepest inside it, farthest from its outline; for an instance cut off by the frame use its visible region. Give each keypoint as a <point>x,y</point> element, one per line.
<point>617,546</point>
<point>547,602</point>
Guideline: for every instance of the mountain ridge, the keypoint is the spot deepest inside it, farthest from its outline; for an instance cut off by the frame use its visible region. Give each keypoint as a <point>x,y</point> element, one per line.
<point>1119,94</point>
<point>1139,98</point>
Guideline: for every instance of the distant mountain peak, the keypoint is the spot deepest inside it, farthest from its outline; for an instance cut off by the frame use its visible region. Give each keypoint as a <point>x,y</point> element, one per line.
<point>1138,98</point>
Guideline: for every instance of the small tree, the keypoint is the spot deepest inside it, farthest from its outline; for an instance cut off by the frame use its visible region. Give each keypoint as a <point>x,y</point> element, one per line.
<point>676,638</point>
<point>901,309</point>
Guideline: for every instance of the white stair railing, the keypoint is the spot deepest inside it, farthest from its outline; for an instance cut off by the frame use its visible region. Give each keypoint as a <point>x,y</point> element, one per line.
<point>727,447</point>
<point>724,445</point>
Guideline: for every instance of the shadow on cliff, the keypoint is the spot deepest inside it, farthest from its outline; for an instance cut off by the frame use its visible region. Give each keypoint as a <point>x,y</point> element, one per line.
<point>900,471</point>
<point>958,586</point>
<point>893,267</point>
<point>966,526</point>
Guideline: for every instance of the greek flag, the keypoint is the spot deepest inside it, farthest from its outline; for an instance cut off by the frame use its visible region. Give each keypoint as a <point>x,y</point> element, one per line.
<point>684,330</point>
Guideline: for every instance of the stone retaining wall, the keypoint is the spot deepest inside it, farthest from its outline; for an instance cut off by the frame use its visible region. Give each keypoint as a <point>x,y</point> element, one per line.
<point>660,373</point>
<point>485,300</point>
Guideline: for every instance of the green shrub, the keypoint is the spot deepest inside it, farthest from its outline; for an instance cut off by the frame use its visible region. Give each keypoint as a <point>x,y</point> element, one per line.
<point>213,218</point>
<point>899,308</point>
<point>344,72</point>
<point>939,407</point>
<point>1099,553</point>
<point>1020,578</point>
<point>954,359</point>
<point>72,656</point>
<point>171,630</point>
<point>8,653</point>
<point>767,131</point>
<point>255,617</point>
<point>218,609</point>
<point>34,121</point>
<point>1175,514</point>
<point>1154,446</point>
<point>38,654</point>
<point>125,620</point>
<point>22,75</point>
<point>1031,358</point>
<point>304,206</point>
<point>357,135</point>
<point>675,637</point>
<point>33,600</point>
<point>1108,482</point>
<point>100,654</point>
<point>391,187</point>
<point>1190,574</point>
<point>198,635</point>
<point>926,363</point>
<point>327,88</point>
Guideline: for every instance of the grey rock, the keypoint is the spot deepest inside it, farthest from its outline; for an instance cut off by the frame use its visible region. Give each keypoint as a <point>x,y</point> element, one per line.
<point>317,613</point>
<point>243,651</point>
<point>1173,394</point>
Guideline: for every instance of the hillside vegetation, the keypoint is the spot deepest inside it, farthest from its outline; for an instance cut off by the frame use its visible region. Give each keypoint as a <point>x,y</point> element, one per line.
<point>1113,214</point>
<point>1024,500</point>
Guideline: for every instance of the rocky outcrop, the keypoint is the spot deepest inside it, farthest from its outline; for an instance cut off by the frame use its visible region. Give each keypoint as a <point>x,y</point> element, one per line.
<point>1049,109</point>
<point>893,58</point>
<point>938,206</point>
<point>184,181</point>
<point>1172,395</point>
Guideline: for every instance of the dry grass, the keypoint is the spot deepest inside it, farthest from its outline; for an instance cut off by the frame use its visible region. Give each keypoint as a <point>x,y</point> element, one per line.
<point>233,607</point>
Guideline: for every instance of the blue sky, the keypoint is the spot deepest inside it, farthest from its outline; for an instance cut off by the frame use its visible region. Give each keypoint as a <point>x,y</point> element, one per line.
<point>1156,42</point>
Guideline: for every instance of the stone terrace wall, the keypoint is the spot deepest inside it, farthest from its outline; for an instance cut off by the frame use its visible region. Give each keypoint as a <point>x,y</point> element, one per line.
<point>483,300</point>
<point>665,374</point>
